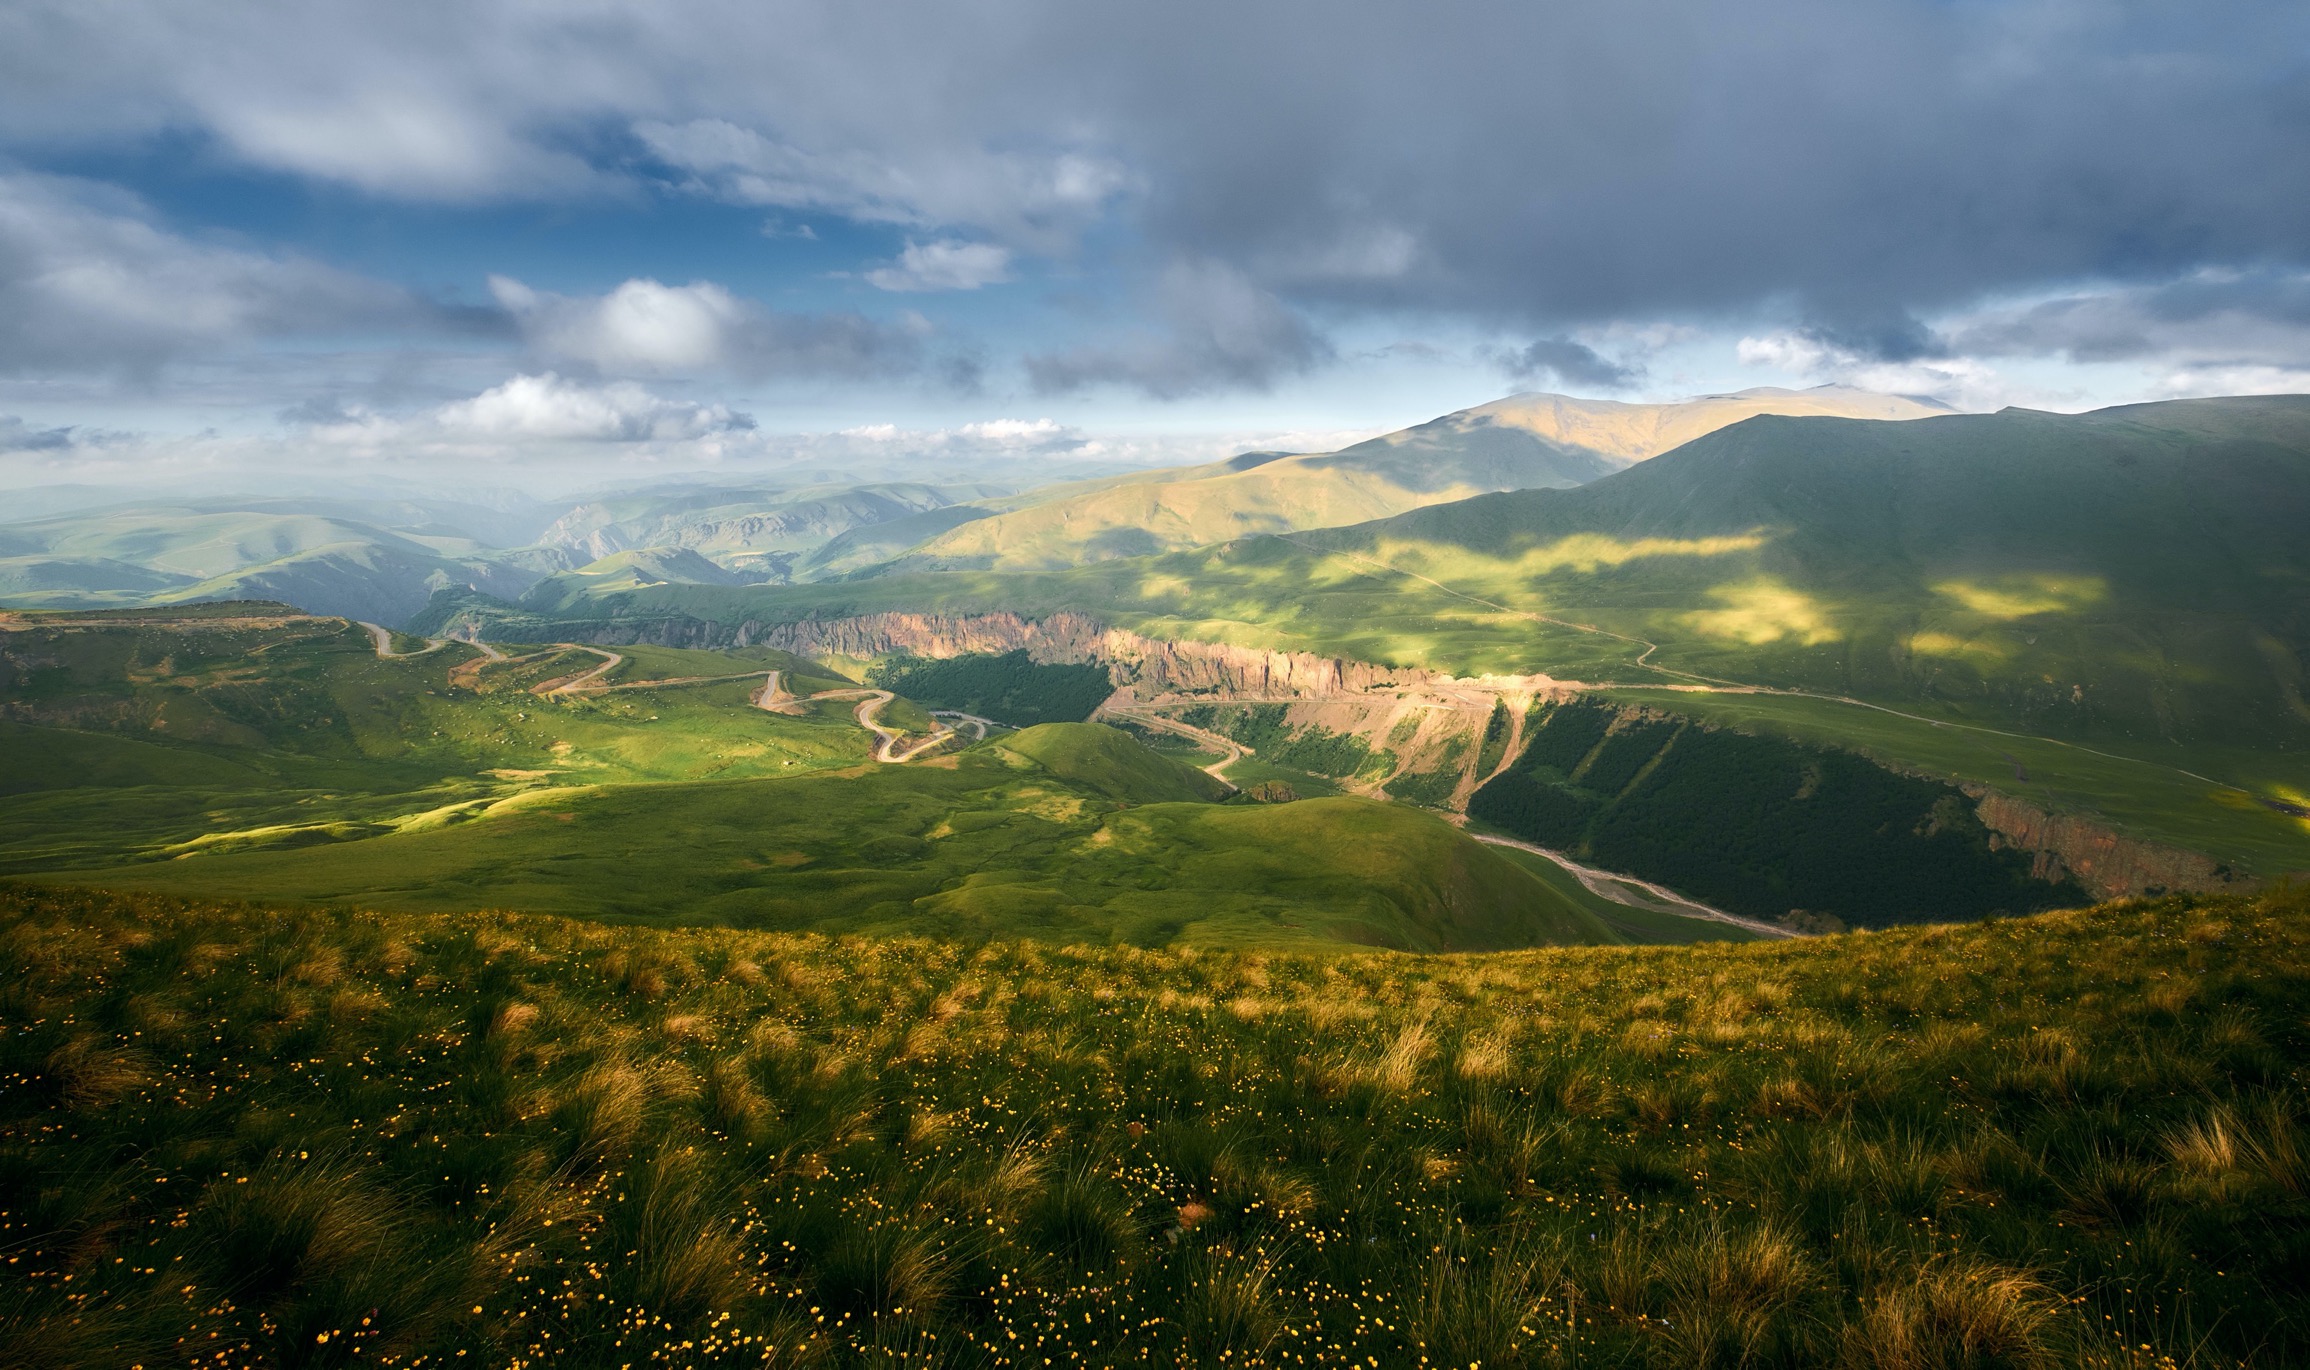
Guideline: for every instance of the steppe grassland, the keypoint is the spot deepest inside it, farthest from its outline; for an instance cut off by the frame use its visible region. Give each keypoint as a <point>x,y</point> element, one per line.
<point>235,1133</point>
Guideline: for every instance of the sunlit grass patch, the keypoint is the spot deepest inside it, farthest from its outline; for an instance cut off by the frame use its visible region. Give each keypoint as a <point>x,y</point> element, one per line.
<point>1764,610</point>
<point>2024,596</point>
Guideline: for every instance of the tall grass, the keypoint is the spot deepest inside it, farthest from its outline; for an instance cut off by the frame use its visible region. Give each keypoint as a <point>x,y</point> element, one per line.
<point>234,1135</point>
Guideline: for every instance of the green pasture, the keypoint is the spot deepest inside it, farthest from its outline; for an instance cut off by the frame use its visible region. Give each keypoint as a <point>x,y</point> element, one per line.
<point>1090,844</point>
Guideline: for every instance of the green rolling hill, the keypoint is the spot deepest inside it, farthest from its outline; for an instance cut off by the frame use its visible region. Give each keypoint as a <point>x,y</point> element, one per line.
<point>244,749</point>
<point>996,845</point>
<point>2136,573</point>
<point>1103,759</point>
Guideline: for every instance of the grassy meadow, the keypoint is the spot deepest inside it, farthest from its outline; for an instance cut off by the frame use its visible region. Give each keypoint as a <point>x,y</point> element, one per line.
<point>1267,592</point>
<point>237,1135</point>
<point>1097,845</point>
<point>271,756</point>
<point>150,735</point>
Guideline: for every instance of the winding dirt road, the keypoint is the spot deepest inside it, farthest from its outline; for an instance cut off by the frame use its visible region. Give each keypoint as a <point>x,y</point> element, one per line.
<point>577,684</point>
<point>980,727</point>
<point>1217,770</point>
<point>1623,890</point>
<point>385,643</point>
<point>775,698</point>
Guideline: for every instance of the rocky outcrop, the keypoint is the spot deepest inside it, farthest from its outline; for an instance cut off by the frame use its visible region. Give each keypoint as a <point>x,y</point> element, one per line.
<point>1148,667</point>
<point>2106,864</point>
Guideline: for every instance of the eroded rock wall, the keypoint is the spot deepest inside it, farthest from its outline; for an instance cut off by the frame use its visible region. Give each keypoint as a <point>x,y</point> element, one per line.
<point>1149,667</point>
<point>2107,864</point>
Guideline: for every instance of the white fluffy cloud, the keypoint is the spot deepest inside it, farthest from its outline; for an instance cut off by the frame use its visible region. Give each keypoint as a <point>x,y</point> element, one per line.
<point>550,407</point>
<point>948,264</point>
<point>648,328</point>
<point>640,326</point>
<point>532,414</point>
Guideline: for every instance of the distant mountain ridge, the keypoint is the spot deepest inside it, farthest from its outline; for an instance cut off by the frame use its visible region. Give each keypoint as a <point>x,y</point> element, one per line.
<point>313,556</point>
<point>1522,442</point>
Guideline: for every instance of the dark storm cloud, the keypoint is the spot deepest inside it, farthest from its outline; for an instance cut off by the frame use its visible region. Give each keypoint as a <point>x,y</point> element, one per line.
<point>1863,163</point>
<point>1570,363</point>
<point>1855,166</point>
<point>19,436</point>
<point>1218,330</point>
<point>2257,317</point>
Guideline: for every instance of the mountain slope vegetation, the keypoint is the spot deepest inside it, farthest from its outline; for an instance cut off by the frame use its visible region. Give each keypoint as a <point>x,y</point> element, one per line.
<point>1009,687</point>
<point>2132,571</point>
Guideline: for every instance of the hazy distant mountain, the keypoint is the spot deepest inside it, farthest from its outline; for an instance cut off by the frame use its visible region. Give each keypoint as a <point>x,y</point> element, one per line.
<point>752,529</point>
<point>177,553</point>
<point>631,570</point>
<point>1522,442</point>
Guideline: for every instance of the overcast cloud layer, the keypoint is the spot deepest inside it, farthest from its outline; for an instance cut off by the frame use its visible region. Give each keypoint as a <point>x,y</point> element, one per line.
<point>992,208</point>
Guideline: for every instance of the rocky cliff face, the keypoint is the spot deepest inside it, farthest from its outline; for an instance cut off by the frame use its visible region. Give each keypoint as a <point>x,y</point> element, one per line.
<point>2107,865</point>
<point>1148,667</point>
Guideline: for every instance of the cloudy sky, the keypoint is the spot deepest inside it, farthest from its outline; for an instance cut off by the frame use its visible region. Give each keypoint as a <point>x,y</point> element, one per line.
<point>607,235</point>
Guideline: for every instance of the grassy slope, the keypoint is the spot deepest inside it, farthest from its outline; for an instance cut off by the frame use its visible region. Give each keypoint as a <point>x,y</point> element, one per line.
<point>990,845</point>
<point>2150,795</point>
<point>333,1138</point>
<point>2135,574</point>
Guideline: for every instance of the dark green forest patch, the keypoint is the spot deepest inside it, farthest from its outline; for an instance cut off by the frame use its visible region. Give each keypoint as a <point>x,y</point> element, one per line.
<point>1010,687</point>
<point>1758,825</point>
